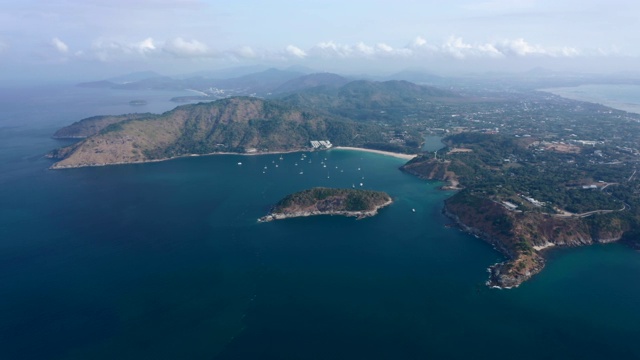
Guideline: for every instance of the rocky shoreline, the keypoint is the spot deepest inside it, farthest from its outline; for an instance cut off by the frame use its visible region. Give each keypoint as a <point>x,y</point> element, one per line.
<point>522,262</point>
<point>497,276</point>
<point>357,214</point>
<point>56,165</point>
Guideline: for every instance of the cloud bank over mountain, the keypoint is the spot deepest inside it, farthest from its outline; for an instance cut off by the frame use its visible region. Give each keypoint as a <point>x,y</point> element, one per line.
<point>168,35</point>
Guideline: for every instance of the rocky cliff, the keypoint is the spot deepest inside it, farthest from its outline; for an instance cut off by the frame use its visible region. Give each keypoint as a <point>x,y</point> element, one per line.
<point>522,237</point>
<point>433,169</point>
<point>327,201</point>
<point>524,200</point>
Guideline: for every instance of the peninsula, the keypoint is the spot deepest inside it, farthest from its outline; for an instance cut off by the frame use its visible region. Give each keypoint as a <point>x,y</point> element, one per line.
<point>240,125</point>
<point>526,195</point>
<point>362,114</point>
<point>329,201</point>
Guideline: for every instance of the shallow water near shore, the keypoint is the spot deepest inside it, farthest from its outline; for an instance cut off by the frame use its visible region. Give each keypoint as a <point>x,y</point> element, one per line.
<point>167,260</point>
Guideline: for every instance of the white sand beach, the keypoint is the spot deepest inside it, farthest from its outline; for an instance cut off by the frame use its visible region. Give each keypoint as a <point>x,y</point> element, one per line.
<point>397,155</point>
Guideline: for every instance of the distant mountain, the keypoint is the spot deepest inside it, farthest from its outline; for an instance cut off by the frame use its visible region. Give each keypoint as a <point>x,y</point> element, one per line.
<point>301,69</point>
<point>226,73</point>
<point>238,124</point>
<point>136,76</point>
<point>239,71</point>
<point>255,84</point>
<point>97,84</point>
<point>415,76</point>
<point>156,83</point>
<point>114,82</point>
<point>259,83</point>
<point>540,71</point>
<point>93,125</point>
<point>310,81</point>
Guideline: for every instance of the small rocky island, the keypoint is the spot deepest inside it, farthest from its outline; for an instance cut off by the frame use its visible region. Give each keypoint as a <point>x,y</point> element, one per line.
<point>327,201</point>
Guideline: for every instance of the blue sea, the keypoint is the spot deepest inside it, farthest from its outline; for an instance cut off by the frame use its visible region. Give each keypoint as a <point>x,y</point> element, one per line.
<point>621,97</point>
<point>167,261</point>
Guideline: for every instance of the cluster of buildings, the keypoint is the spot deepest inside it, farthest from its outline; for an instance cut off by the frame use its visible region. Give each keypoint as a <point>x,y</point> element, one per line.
<point>321,144</point>
<point>533,201</point>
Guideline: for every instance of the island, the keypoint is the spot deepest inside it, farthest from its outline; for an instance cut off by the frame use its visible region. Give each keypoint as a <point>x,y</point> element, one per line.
<point>329,201</point>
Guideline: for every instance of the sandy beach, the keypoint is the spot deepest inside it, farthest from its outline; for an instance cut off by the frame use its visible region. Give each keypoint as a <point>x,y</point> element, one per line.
<point>397,155</point>
<point>55,166</point>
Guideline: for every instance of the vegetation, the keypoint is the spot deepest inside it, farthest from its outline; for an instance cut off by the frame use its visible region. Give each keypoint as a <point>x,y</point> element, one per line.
<point>93,125</point>
<point>328,199</point>
<point>526,193</point>
<point>239,124</point>
<point>536,169</point>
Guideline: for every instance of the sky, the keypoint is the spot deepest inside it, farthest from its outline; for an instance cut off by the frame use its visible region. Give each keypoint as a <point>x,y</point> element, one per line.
<point>97,39</point>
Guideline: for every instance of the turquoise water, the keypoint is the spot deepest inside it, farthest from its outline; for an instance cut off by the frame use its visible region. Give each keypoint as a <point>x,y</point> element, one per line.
<point>621,97</point>
<point>166,260</point>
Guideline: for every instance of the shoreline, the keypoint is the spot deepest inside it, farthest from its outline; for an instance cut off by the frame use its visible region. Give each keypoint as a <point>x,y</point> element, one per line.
<point>590,98</point>
<point>388,153</point>
<point>53,167</point>
<point>381,152</point>
<point>359,215</point>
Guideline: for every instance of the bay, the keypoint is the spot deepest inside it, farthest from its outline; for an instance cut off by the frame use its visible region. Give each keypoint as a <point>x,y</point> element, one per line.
<point>618,96</point>
<point>167,260</point>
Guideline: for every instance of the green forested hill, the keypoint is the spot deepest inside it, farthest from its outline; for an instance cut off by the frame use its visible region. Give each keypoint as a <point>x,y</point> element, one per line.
<point>370,100</point>
<point>239,124</point>
<point>524,195</point>
<point>328,199</point>
<point>93,125</point>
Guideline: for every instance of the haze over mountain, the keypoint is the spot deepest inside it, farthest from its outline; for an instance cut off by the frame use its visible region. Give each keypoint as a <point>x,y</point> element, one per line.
<point>443,38</point>
<point>258,83</point>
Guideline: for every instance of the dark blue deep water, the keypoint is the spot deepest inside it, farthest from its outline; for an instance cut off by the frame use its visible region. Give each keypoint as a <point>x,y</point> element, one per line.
<point>166,261</point>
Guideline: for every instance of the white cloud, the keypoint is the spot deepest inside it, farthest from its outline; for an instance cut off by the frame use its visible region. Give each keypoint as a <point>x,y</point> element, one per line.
<point>59,45</point>
<point>295,51</point>
<point>611,51</point>
<point>112,50</point>
<point>187,48</point>
<point>520,47</point>
<point>330,49</point>
<point>145,45</point>
<point>458,48</point>
<point>569,52</point>
<point>244,52</point>
<point>363,49</point>
<point>384,48</point>
<point>418,42</point>
<point>419,49</point>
